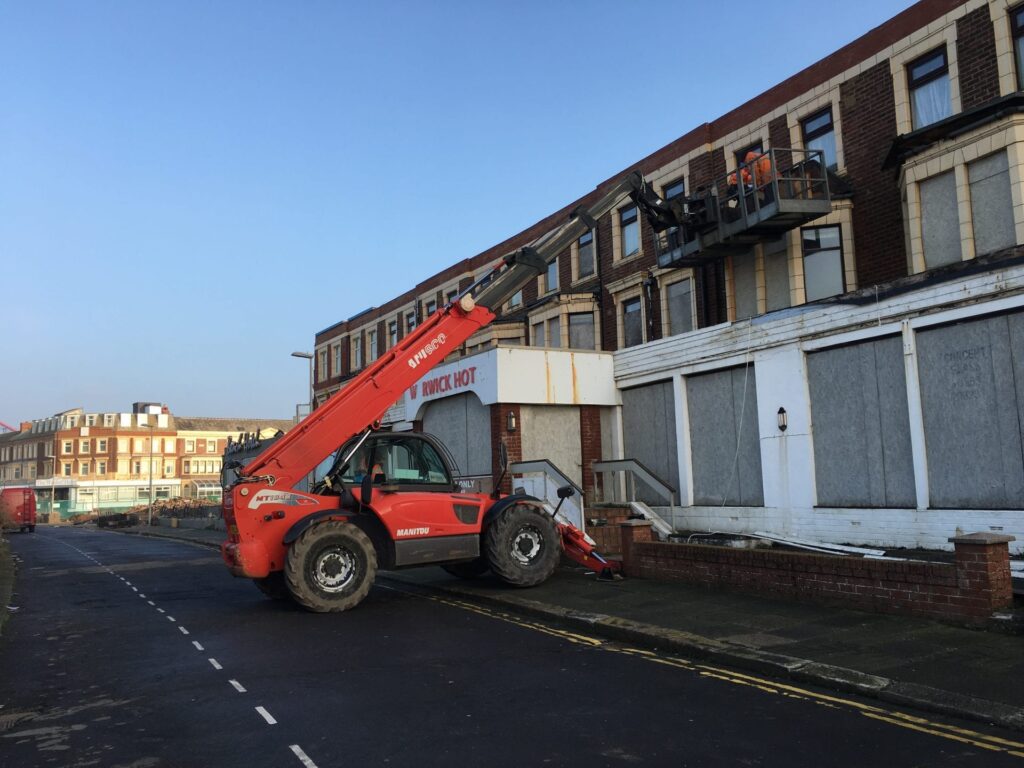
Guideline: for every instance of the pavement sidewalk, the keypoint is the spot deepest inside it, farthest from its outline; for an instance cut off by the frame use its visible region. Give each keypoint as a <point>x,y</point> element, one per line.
<point>923,664</point>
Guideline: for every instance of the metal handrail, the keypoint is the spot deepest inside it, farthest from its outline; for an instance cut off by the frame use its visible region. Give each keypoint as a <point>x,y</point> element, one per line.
<point>545,466</point>
<point>638,470</point>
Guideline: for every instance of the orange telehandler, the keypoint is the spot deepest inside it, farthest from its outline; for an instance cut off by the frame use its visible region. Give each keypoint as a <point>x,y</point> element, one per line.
<point>390,500</point>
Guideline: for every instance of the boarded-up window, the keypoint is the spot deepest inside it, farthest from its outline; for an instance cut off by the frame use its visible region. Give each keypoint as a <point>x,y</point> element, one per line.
<point>940,221</point>
<point>724,441</point>
<point>861,427</point>
<point>581,330</point>
<point>991,204</point>
<point>463,424</point>
<point>649,434</point>
<point>537,335</point>
<point>554,332</point>
<point>776,274</point>
<point>972,398</point>
<point>679,298</point>
<point>632,323</point>
<point>823,262</point>
<point>744,278</point>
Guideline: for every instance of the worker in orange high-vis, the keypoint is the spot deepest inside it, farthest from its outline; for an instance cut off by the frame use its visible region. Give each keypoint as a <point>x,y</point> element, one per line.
<point>762,165</point>
<point>744,176</point>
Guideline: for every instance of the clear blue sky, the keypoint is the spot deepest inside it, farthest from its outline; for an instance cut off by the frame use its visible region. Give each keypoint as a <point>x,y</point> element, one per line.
<point>189,191</point>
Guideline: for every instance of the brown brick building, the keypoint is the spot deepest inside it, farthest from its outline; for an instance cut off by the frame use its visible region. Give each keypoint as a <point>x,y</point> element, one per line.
<point>106,461</point>
<point>848,374</point>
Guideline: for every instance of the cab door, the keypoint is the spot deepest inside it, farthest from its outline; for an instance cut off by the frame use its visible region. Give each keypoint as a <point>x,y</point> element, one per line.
<point>415,496</point>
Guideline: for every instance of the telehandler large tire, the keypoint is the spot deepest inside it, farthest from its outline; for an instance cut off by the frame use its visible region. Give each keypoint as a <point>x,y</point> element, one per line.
<point>273,586</point>
<point>522,546</point>
<point>330,567</point>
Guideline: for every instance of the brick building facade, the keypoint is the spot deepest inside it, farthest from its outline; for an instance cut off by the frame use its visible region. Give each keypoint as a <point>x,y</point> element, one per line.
<point>850,378</point>
<point>89,462</point>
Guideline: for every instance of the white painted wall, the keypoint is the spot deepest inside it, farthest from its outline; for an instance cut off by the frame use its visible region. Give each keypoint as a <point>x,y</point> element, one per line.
<point>778,344</point>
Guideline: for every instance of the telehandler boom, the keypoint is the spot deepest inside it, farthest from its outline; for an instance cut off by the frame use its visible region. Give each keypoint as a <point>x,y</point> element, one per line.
<point>390,500</point>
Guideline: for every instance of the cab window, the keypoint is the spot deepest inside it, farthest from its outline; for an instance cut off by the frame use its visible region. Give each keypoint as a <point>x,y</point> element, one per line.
<point>401,461</point>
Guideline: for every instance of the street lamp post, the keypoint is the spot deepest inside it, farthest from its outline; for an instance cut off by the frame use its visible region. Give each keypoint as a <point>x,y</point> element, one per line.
<point>150,427</point>
<point>308,356</point>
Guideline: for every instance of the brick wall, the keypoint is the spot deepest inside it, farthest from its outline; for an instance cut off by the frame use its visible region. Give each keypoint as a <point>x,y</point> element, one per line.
<point>868,109</point>
<point>778,133</point>
<point>513,440</point>
<point>608,536</point>
<point>976,58</point>
<point>967,592</point>
<point>590,449</point>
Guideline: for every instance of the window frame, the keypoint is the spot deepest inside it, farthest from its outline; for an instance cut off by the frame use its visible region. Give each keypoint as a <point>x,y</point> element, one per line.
<point>580,245</point>
<point>371,345</point>
<point>593,327</point>
<point>678,182</point>
<point>914,83</point>
<point>809,136</point>
<point>627,301</point>
<point>1016,15</point>
<point>356,343</point>
<point>803,260</point>
<point>546,278</point>
<point>666,314</point>
<point>623,224</point>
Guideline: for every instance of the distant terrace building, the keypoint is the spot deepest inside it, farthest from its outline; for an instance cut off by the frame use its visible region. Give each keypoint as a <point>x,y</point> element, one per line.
<point>86,462</point>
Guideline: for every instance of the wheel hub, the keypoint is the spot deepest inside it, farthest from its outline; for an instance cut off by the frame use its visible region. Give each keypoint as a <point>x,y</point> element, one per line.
<point>527,544</point>
<point>335,567</point>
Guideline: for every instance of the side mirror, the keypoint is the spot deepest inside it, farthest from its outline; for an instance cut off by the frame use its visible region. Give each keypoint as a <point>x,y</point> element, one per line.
<point>502,456</point>
<point>566,491</point>
<point>366,490</point>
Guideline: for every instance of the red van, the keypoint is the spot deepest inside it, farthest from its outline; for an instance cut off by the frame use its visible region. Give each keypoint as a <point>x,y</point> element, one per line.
<point>18,509</point>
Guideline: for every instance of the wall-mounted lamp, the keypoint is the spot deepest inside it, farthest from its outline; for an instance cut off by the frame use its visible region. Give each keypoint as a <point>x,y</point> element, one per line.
<point>510,423</point>
<point>783,420</point>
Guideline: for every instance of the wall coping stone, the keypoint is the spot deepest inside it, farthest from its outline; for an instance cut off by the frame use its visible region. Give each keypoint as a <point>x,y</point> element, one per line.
<point>982,538</point>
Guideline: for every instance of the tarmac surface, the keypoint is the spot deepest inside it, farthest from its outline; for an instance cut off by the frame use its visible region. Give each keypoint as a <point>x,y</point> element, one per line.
<point>967,673</point>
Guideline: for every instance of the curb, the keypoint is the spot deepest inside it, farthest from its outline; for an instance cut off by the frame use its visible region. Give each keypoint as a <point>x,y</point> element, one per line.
<point>693,646</point>
<point>165,537</point>
<point>751,659</point>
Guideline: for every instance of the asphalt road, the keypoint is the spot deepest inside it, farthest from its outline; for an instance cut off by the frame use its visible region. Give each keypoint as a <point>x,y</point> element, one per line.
<point>127,651</point>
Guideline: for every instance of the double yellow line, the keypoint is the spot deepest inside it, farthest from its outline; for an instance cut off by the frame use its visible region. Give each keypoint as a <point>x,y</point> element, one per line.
<point>893,717</point>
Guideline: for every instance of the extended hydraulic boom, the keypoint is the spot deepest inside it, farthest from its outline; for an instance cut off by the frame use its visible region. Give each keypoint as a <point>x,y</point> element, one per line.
<point>274,530</point>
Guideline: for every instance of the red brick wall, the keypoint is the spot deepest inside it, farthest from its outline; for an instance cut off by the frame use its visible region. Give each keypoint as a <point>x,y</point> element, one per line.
<point>590,449</point>
<point>976,58</point>
<point>608,537</point>
<point>513,440</point>
<point>868,112</point>
<point>778,133</point>
<point>967,592</point>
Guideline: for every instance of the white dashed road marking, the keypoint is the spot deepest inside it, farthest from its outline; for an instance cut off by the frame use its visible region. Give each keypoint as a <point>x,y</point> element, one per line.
<point>296,750</point>
<point>303,758</point>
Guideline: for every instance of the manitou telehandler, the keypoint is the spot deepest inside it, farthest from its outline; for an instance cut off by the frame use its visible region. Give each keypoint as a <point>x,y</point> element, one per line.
<point>391,499</point>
